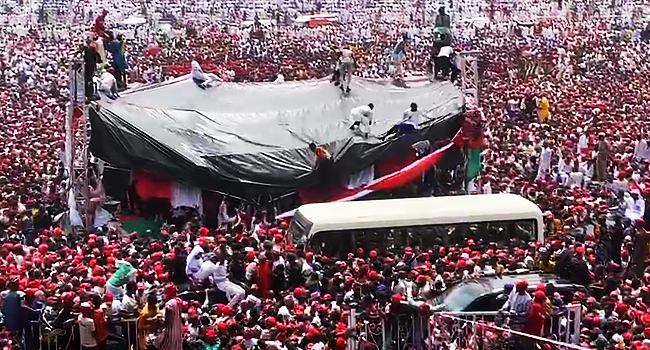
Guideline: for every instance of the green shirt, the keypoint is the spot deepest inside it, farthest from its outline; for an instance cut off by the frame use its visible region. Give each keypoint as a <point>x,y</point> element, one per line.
<point>122,275</point>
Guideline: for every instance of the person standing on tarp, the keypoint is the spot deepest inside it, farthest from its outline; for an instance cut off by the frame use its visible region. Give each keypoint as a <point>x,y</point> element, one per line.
<point>115,47</point>
<point>361,118</point>
<point>91,58</point>
<point>346,66</point>
<point>399,55</point>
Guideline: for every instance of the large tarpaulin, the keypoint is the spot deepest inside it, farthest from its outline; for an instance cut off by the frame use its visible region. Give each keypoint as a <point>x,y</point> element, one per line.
<point>251,139</point>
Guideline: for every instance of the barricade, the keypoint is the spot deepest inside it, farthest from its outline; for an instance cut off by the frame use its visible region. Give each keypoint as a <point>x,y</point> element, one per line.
<point>453,332</point>
<point>476,330</point>
<point>41,337</point>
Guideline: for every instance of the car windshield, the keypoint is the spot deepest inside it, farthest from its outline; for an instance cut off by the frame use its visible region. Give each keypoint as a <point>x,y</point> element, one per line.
<point>462,295</point>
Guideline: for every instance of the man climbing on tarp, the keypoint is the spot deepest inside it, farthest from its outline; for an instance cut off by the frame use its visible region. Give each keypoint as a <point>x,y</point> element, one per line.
<point>325,168</point>
<point>201,79</point>
<point>361,118</point>
<point>408,124</point>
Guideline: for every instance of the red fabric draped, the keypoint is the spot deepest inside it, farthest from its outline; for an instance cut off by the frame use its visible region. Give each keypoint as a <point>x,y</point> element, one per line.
<point>149,185</point>
<point>264,279</point>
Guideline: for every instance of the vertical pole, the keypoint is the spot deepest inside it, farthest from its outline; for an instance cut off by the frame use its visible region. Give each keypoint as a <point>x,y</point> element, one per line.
<point>352,323</point>
<point>69,145</point>
<point>384,336</point>
<point>84,149</point>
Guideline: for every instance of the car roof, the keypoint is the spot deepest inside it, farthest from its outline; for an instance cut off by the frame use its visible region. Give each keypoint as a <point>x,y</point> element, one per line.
<point>492,284</point>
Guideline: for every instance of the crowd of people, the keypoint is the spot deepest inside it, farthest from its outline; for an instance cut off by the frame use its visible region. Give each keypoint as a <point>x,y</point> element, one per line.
<point>564,123</point>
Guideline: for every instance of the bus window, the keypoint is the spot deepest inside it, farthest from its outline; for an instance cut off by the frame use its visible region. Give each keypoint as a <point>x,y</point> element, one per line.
<point>341,243</point>
<point>368,239</point>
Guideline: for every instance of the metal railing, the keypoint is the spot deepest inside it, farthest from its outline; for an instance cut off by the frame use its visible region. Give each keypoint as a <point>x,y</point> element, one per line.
<point>449,331</point>
<point>41,336</point>
<point>478,330</point>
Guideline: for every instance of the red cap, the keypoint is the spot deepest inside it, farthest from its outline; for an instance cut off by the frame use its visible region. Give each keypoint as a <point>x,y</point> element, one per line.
<point>396,298</point>
<point>43,248</point>
<point>299,292</point>
<point>203,231</point>
<point>646,319</point>
<point>170,290</point>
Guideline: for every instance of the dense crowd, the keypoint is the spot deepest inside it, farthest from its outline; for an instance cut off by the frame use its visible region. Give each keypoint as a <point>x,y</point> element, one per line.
<point>564,123</point>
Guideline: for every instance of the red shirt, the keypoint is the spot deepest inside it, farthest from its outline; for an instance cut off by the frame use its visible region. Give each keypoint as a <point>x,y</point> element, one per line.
<point>101,327</point>
<point>536,319</point>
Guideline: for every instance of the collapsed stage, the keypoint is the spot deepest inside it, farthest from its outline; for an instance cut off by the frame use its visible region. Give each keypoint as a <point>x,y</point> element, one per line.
<point>252,139</point>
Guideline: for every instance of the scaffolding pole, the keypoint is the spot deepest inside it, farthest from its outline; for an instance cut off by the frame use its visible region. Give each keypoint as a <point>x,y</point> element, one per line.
<point>77,145</point>
<point>470,81</point>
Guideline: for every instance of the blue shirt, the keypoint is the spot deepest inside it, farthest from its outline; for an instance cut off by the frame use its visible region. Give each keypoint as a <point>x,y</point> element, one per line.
<point>12,310</point>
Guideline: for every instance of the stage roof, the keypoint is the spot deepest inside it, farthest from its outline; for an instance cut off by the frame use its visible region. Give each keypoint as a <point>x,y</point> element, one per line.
<point>253,138</point>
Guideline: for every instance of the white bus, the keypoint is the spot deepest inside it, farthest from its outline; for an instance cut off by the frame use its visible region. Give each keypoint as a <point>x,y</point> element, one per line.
<point>337,228</point>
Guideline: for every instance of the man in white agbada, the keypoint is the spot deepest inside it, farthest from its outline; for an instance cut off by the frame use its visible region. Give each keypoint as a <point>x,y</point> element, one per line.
<point>279,78</point>
<point>195,259</point>
<point>583,141</point>
<point>545,158</point>
<point>640,148</point>
<point>634,205</point>
<point>518,304</point>
<point>215,270</point>
<point>107,84</point>
<point>361,118</point>
<point>201,79</point>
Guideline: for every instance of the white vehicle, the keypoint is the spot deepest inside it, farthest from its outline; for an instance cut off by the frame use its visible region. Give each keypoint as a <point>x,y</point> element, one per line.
<point>337,228</point>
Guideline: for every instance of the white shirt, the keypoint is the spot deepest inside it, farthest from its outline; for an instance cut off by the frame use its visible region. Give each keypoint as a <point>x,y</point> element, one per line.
<point>251,270</point>
<point>279,79</point>
<point>640,149</point>
<point>487,188</point>
<point>634,209</point>
<point>545,158</point>
<point>197,72</point>
<point>576,179</point>
<point>194,260</point>
<point>206,271</point>
<point>517,303</point>
<point>214,272</point>
<point>445,51</point>
<point>583,142</point>
<point>360,113</point>
<point>86,329</point>
<point>412,117</point>
<point>129,305</point>
<point>346,56</point>
<point>107,82</point>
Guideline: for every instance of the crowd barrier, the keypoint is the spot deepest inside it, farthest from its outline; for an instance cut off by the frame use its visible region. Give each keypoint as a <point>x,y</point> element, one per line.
<point>394,331</point>
<point>40,336</point>
<point>411,330</point>
<point>453,332</point>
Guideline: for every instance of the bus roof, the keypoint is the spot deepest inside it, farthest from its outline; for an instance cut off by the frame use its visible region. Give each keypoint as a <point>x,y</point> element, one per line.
<point>418,212</point>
